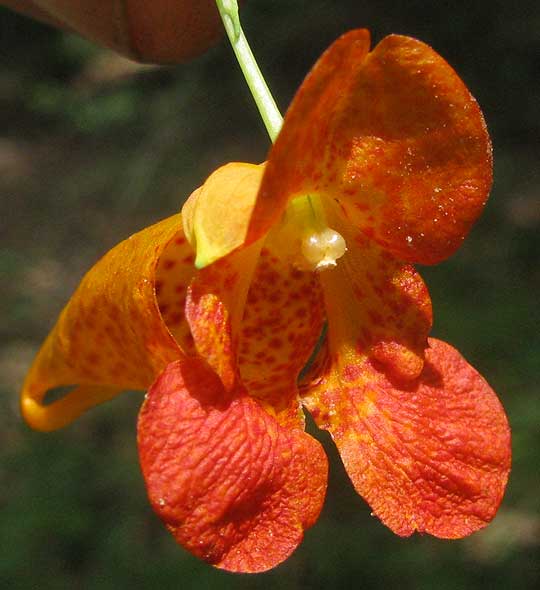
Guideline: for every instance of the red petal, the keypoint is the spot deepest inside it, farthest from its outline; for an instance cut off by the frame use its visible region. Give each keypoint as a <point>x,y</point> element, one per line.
<point>431,457</point>
<point>233,487</point>
<point>394,136</point>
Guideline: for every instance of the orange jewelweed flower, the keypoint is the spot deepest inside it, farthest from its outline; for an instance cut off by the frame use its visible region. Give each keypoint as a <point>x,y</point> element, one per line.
<point>383,161</point>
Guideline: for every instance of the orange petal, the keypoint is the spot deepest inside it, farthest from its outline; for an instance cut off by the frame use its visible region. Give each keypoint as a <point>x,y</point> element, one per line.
<point>263,339</point>
<point>394,136</point>
<point>257,319</point>
<point>232,486</point>
<point>432,456</point>
<point>377,306</point>
<point>110,336</point>
<point>214,309</point>
<point>216,297</point>
<point>174,272</point>
<point>162,31</point>
<point>281,324</point>
<point>297,157</point>
<point>228,195</point>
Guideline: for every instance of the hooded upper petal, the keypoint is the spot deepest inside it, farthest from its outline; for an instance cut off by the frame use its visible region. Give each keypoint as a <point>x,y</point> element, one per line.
<point>394,137</point>
<point>111,335</point>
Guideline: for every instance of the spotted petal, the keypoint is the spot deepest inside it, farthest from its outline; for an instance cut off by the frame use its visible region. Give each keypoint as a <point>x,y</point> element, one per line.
<point>432,455</point>
<point>214,308</point>
<point>282,321</point>
<point>377,306</point>
<point>233,486</point>
<point>253,316</point>
<point>394,137</point>
<point>112,335</point>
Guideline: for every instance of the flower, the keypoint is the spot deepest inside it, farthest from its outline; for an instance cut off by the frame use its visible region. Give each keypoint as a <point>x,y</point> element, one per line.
<point>383,161</point>
<point>163,31</point>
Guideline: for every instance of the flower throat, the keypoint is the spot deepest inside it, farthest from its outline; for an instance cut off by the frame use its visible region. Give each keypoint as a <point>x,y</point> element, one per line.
<point>304,236</point>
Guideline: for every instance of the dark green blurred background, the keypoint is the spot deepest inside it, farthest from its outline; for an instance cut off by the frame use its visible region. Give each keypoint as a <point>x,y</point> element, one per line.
<point>93,148</point>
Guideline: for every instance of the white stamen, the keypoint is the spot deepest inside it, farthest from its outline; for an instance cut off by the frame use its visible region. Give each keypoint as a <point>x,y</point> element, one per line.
<point>321,249</point>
